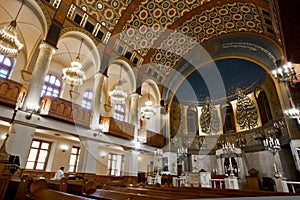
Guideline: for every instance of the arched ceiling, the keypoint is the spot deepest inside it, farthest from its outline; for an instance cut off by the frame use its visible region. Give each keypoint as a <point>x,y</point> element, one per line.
<point>164,32</point>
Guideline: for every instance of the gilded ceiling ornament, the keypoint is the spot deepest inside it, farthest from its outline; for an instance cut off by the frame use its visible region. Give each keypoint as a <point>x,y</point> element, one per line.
<point>246,112</point>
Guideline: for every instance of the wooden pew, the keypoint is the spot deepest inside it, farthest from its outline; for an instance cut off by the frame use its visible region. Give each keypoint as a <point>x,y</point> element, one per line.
<point>192,193</point>
<point>92,192</point>
<point>167,194</point>
<point>225,192</point>
<point>119,195</point>
<point>39,191</point>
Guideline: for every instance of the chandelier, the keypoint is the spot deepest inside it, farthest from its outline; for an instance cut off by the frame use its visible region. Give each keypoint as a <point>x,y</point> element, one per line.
<point>117,96</point>
<point>73,75</point>
<point>285,72</point>
<point>147,111</point>
<point>9,43</point>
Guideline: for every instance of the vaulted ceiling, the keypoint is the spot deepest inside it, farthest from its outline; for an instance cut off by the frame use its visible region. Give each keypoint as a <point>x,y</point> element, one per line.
<point>166,33</point>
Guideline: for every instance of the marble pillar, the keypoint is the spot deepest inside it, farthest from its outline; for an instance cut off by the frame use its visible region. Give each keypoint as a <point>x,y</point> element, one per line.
<point>131,163</point>
<point>88,156</point>
<point>134,99</point>
<point>32,100</point>
<point>19,141</point>
<point>98,85</point>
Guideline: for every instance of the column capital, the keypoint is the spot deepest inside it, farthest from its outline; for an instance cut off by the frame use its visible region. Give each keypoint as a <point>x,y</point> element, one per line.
<point>47,48</point>
<point>134,95</point>
<point>98,75</point>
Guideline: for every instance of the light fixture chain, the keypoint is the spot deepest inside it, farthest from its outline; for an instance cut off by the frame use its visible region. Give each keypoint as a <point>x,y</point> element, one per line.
<point>19,10</point>
<point>78,56</point>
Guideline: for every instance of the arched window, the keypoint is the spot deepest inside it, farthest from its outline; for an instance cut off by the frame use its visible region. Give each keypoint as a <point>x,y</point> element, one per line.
<point>119,113</point>
<point>192,120</point>
<point>229,125</point>
<point>52,86</point>
<point>264,108</point>
<point>6,65</point>
<point>87,99</point>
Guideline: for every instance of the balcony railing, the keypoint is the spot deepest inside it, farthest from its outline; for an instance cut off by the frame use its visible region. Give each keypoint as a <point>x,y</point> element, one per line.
<point>117,128</point>
<point>65,110</point>
<point>151,138</point>
<point>10,91</point>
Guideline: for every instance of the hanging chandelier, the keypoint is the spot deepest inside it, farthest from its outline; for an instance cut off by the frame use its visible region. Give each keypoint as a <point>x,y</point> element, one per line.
<point>147,111</point>
<point>9,43</point>
<point>117,96</point>
<point>73,75</point>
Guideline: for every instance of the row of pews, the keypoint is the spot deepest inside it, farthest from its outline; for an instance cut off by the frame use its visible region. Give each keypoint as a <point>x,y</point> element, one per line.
<point>43,189</point>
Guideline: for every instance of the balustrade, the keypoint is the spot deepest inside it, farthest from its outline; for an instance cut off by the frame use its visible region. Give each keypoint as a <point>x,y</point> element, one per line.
<point>117,128</point>
<point>65,110</point>
<point>10,91</point>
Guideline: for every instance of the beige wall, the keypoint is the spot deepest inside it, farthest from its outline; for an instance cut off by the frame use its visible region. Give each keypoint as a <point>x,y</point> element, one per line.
<point>144,161</point>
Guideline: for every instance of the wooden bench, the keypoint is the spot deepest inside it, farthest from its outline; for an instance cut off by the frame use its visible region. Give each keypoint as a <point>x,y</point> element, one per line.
<point>119,195</point>
<point>168,194</point>
<point>192,193</point>
<point>39,191</point>
<point>225,192</point>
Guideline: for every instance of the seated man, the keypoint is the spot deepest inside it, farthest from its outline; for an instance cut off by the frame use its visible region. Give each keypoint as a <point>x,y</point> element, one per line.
<point>59,174</point>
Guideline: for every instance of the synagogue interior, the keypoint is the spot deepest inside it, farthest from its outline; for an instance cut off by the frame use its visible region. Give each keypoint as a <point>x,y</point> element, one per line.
<point>134,95</point>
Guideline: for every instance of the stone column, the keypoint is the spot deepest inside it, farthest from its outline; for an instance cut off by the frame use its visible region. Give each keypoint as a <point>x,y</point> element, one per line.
<point>131,163</point>
<point>134,99</point>
<point>98,85</point>
<point>19,141</point>
<point>220,168</point>
<point>32,100</point>
<point>88,156</point>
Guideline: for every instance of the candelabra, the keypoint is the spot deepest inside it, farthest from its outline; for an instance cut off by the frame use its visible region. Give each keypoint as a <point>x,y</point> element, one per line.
<point>273,145</point>
<point>182,152</point>
<point>285,72</point>
<point>228,149</point>
<point>158,155</point>
<point>293,113</point>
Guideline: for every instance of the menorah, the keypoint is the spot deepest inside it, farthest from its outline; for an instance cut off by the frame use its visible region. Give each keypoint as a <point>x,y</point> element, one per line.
<point>228,149</point>
<point>158,155</point>
<point>273,145</point>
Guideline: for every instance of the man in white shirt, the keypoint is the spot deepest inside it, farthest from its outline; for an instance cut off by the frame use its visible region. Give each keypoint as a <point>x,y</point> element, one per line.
<point>60,173</point>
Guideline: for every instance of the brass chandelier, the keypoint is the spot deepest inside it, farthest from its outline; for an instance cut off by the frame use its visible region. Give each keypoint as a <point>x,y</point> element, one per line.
<point>9,42</point>
<point>147,111</point>
<point>73,75</point>
<point>117,96</point>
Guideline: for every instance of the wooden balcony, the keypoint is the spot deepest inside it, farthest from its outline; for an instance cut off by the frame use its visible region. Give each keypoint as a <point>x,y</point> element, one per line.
<point>117,128</point>
<point>65,110</point>
<point>10,91</point>
<point>151,138</point>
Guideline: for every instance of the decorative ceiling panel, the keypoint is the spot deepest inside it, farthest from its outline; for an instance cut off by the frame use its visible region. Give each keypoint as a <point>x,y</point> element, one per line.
<point>108,12</point>
<point>151,18</point>
<point>234,17</point>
